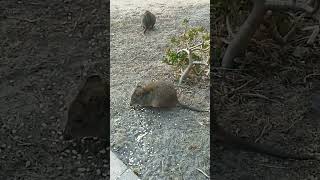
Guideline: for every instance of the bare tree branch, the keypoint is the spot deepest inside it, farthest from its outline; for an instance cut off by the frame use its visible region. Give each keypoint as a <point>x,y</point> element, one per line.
<point>242,38</point>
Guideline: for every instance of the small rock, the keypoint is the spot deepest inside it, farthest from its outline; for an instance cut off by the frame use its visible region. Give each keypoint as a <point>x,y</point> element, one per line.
<point>103,151</point>
<point>81,169</point>
<point>98,172</point>
<point>28,164</point>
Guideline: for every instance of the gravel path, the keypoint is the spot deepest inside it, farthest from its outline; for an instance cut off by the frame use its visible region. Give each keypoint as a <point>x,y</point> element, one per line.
<point>156,144</point>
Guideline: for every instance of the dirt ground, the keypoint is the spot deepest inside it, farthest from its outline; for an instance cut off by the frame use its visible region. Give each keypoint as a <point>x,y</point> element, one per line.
<point>47,47</point>
<point>156,144</point>
<point>269,99</point>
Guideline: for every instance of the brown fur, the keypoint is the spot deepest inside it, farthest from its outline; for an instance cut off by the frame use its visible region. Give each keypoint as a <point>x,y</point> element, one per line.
<point>87,113</point>
<point>148,20</point>
<point>158,94</point>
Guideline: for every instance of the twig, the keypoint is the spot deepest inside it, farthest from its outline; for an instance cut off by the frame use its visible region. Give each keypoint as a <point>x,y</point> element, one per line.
<point>77,22</point>
<point>24,19</point>
<point>314,35</point>
<point>240,87</point>
<point>271,166</point>
<point>309,75</point>
<point>229,27</point>
<point>297,23</point>
<point>292,124</point>
<point>195,46</point>
<point>203,172</point>
<point>218,19</point>
<point>21,142</point>
<point>199,62</point>
<point>307,28</point>
<point>259,96</point>
<point>262,132</point>
<point>187,70</point>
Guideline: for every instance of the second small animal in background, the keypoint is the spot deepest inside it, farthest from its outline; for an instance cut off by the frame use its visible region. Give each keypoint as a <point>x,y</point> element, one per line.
<point>148,20</point>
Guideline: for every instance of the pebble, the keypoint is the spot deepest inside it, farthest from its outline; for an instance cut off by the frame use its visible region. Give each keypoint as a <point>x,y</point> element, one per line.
<point>98,172</point>
<point>81,169</point>
<point>28,163</point>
